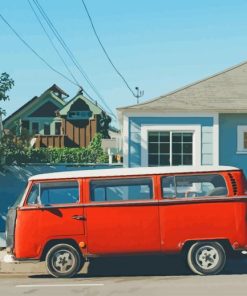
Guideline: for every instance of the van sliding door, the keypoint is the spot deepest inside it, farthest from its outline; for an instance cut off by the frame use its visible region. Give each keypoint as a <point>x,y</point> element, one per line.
<point>122,216</point>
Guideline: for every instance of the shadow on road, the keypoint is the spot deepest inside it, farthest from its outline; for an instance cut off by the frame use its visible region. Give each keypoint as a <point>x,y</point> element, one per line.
<point>173,265</point>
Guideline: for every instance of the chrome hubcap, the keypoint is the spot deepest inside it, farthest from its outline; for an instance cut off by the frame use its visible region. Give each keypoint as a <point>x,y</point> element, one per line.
<point>207,257</point>
<point>63,261</point>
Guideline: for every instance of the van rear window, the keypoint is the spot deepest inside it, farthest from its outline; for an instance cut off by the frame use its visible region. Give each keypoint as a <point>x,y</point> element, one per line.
<point>121,189</point>
<point>194,186</point>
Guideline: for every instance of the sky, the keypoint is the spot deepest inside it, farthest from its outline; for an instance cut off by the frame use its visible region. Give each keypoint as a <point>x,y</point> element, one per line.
<point>158,45</point>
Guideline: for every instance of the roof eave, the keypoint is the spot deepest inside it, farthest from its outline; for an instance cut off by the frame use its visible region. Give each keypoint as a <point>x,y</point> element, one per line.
<point>206,110</point>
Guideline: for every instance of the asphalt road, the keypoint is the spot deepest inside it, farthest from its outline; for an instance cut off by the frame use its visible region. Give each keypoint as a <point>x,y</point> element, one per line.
<point>136,276</point>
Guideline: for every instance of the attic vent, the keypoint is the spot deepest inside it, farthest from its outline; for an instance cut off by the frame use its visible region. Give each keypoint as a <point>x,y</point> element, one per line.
<point>234,184</point>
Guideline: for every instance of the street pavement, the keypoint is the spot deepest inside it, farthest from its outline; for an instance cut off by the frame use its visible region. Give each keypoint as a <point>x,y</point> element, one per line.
<point>152,275</point>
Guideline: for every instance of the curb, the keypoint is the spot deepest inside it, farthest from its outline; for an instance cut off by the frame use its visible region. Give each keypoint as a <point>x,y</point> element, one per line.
<point>21,267</point>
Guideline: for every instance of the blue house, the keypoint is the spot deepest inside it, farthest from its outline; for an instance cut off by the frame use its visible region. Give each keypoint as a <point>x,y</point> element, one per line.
<point>204,123</point>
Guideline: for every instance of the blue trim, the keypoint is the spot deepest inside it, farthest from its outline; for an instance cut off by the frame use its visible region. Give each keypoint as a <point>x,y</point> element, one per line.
<point>134,139</point>
<point>228,140</point>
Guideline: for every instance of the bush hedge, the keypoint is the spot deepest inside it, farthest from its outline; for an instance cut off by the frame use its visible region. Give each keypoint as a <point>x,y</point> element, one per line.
<point>17,153</point>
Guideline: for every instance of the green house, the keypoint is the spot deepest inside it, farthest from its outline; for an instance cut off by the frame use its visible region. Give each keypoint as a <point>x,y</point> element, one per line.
<point>55,121</point>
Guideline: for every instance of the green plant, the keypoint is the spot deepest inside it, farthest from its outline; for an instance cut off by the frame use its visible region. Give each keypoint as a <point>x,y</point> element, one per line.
<point>18,151</point>
<point>6,83</point>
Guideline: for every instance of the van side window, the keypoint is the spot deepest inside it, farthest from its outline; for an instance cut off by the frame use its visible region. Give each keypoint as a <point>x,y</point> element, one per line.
<point>194,186</point>
<point>168,185</point>
<point>121,189</point>
<point>59,193</point>
<point>51,193</point>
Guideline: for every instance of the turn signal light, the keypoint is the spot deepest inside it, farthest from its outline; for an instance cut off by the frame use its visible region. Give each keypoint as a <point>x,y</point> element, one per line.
<point>82,244</point>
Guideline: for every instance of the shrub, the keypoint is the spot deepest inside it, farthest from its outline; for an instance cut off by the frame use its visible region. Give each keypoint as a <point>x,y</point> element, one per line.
<point>17,152</point>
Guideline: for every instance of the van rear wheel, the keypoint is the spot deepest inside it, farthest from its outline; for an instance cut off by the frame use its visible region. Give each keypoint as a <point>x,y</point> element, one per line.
<point>206,258</point>
<point>63,261</point>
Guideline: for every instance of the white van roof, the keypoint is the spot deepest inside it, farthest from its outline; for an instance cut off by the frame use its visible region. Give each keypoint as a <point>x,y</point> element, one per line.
<point>118,172</point>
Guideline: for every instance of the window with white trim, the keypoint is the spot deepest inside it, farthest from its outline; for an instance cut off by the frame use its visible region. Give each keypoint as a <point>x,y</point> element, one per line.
<point>167,148</point>
<point>242,138</point>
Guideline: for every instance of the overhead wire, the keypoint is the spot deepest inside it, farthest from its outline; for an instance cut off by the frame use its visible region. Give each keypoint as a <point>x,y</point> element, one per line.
<point>71,55</point>
<point>35,52</point>
<point>105,51</point>
<point>42,59</point>
<point>53,45</point>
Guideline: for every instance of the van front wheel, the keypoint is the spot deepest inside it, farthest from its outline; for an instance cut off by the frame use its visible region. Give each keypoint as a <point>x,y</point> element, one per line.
<point>63,261</point>
<point>206,258</point>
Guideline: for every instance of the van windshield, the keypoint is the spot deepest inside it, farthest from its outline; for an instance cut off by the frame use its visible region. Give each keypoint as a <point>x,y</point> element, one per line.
<point>51,193</point>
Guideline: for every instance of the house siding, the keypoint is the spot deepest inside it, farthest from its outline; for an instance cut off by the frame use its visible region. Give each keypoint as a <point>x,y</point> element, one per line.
<point>79,135</point>
<point>228,124</point>
<point>135,123</point>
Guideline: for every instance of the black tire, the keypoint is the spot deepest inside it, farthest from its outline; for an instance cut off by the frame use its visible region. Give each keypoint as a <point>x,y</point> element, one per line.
<point>63,261</point>
<point>206,258</point>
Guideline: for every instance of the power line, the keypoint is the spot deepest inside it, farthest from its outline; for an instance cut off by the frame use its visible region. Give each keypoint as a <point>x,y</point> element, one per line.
<point>105,52</point>
<point>42,59</point>
<point>35,52</point>
<point>70,54</point>
<point>53,44</point>
<point>59,37</point>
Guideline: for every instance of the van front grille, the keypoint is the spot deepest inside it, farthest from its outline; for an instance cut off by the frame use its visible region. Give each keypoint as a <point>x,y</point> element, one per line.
<point>234,184</point>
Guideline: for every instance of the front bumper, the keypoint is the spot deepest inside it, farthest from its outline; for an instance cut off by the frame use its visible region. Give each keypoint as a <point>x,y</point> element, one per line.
<point>8,258</point>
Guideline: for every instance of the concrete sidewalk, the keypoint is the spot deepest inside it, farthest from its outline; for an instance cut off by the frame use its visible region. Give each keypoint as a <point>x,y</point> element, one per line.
<point>28,267</point>
<point>21,268</point>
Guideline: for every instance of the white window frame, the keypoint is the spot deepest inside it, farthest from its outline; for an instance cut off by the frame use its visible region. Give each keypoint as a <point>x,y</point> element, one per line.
<point>194,129</point>
<point>124,120</point>
<point>241,129</point>
<point>171,145</point>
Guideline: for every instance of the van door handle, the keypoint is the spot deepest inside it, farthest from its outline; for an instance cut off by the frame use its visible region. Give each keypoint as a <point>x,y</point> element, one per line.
<point>77,217</point>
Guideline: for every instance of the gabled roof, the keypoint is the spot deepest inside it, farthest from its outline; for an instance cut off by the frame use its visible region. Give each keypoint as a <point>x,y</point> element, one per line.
<point>31,103</point>
<point>225,91</point>
<point>20,109</point>
<point>57,89</point>
<point>94,107</point>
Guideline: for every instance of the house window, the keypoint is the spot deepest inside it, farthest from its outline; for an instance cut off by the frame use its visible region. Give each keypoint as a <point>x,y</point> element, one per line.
<point>35,128</point>
<point>25,125</point>
<point>245,140</point>
<point>170,148</point>
<point>57,128</point>
<point>242,138</point>
<point>47,129</point>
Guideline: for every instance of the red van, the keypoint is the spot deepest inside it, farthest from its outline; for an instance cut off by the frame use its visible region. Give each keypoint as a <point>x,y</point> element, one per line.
<point>66,218</point>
